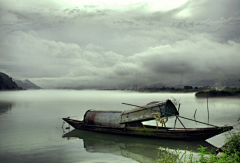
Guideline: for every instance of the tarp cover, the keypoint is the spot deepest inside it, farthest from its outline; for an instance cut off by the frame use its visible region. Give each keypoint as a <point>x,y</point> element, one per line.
<point>145,113</point>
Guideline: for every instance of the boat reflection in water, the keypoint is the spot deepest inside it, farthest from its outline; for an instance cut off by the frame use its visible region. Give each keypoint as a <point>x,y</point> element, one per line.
<point>137,148</point>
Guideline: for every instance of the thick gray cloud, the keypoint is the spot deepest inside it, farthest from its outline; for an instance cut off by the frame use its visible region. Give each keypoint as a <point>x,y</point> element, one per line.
<point>95,46</point>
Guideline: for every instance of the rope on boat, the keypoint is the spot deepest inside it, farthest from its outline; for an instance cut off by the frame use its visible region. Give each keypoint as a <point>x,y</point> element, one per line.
<point>160,119</point>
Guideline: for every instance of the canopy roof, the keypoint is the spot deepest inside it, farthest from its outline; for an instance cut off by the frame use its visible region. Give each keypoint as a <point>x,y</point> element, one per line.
<point>144,113</point>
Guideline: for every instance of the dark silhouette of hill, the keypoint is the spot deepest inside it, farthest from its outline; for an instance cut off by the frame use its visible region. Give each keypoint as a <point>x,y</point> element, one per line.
<point>7,83</point>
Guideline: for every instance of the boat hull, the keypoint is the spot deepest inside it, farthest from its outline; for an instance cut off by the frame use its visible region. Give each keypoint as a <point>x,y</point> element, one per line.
<point>153,131</point>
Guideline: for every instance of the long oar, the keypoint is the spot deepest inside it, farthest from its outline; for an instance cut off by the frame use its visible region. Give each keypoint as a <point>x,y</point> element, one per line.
<point>173,114</point>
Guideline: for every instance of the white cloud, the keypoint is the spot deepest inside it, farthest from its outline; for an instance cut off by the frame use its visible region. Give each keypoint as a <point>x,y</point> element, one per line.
<point>109,46</point>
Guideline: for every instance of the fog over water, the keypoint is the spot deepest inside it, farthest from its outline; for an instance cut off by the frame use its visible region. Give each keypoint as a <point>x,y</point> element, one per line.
<point>31,125</point>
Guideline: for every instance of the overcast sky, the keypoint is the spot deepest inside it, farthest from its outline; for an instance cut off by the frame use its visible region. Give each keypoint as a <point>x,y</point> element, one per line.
<point>119,43</point>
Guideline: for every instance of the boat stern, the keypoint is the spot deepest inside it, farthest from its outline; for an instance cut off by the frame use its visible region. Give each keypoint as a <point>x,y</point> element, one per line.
<point>225,128</point>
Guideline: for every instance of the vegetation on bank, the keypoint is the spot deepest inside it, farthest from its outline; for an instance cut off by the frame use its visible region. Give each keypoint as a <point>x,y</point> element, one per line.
<point>169,89</point>
<point>200,92</point>
<point>216,93</point>
<point>230,153</point>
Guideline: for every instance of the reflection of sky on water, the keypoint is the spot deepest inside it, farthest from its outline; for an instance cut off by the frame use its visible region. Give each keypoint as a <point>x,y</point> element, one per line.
<point>32,131</point>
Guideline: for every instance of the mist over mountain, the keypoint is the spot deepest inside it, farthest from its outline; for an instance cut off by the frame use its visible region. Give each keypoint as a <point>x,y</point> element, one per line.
<point>215,83</point>
<point>157,85</point>
<point>26,84</point>
<point>7,83</point>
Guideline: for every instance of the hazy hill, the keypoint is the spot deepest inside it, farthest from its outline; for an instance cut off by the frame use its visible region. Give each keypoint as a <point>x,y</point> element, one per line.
<point>157,85</point>
<point>202,83</point>
<point>6,83</point>
<point>215,83</point>
<point>231,82</point>
<point>27,84</point>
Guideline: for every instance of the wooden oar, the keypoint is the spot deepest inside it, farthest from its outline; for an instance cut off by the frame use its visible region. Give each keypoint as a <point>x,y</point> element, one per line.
<point>173,114</point>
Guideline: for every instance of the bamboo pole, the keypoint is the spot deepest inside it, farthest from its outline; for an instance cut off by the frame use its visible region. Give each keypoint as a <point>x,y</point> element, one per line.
<point>197,121</point>
<point>195,114</point>
<point>174,114</point>
<point>136,106</point>
<point>179,121</point>
<point>207,109</point>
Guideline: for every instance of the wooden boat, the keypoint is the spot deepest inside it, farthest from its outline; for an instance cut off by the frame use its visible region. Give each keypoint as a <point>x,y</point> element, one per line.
<point>130,123</point>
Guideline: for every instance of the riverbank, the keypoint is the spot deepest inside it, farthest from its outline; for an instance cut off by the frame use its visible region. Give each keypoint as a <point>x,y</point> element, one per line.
<point>216,93</point>
<point>230,152</point>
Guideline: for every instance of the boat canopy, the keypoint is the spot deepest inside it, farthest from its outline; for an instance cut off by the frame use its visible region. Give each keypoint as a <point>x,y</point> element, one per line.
<point>103,118</point>
<point>107,119</point>
<point>149,112</point>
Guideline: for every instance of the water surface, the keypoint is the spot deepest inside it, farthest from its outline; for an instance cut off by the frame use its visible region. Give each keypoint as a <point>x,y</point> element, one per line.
<point>31,125</point>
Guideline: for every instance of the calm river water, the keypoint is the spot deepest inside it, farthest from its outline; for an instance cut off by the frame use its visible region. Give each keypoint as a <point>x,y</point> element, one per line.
<point>31,125</point>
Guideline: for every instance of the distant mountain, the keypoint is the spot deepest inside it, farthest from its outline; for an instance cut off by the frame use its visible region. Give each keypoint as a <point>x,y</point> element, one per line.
<point>192,83</point>
<point>6,83</point>
<point>27,84</point>
<point>215,83</point>
<point>231,82</point>
<point>157,85</point>
<point>202,83</point>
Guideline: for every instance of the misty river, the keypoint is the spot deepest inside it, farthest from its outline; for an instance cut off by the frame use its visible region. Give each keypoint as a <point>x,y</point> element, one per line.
<point>31,125</point>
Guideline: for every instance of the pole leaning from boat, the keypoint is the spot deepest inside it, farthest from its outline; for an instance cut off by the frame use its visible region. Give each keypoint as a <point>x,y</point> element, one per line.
<point>175,115</point>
